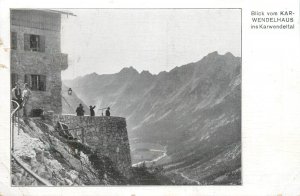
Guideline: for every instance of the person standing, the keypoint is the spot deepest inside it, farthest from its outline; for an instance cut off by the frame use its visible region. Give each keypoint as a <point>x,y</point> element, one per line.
<point>82,110</point>
<point>79,110</point>
<point>25,96</point>
<point>92,110</point>
<point>107,112</point>
<point>17,95</point>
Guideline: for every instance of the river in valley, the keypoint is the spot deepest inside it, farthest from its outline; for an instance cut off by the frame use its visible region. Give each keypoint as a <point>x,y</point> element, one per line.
<point>160,154</point>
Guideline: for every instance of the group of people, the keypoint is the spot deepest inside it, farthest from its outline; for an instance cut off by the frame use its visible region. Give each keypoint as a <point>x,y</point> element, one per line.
<point>21,96</point>
<point>80,111</point>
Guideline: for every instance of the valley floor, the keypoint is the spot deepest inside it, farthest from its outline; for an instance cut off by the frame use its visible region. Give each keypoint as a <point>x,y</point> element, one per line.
<point>223,169</point>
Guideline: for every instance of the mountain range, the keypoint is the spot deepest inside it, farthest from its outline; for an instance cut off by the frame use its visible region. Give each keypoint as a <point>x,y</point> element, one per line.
<point>192,111</point>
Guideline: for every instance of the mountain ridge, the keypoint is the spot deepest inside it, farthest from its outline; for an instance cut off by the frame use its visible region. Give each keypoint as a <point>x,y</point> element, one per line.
<point>93,74</point>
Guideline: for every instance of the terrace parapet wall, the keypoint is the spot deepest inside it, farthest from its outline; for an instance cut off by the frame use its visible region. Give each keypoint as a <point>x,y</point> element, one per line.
<point>107,135</point>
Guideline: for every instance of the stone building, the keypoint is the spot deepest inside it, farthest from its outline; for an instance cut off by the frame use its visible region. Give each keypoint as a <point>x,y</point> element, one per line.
<point>36,57</point>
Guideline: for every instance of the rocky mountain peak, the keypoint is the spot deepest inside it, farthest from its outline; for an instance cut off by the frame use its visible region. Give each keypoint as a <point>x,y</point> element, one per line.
<point>215,55</point>
<point>145,74</point>
<point>229,54</point>
<point>129,70</point>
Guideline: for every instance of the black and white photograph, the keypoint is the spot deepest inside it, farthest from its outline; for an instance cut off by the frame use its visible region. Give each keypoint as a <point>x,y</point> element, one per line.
<point>125,97</point>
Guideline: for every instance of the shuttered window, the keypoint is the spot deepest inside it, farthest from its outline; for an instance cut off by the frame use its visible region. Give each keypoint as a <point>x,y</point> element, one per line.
<point>34,43</point>
<point>36,82</point>
<point>13,41</point>
<point>42,83</point>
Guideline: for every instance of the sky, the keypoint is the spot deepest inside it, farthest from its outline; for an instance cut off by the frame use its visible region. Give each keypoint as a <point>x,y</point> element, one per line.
<point>106,40</point>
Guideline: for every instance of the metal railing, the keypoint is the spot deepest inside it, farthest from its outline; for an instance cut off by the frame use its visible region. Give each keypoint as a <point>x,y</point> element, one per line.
<point>17,108</point>
<point>102,109</point>
<point>34,175</point>
<point>13,118</point>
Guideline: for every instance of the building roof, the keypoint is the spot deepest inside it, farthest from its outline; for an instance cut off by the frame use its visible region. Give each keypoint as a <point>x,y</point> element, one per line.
<point>49,11</point>
<point>59,12</point>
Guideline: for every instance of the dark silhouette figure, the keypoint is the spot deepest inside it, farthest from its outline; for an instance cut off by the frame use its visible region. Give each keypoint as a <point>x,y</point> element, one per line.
<point>107,112</point>
<point>92,110</point>
<point>79,110</point>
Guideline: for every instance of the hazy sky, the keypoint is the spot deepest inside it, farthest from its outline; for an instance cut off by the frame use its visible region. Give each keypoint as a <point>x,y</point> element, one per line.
<point>106,40</point>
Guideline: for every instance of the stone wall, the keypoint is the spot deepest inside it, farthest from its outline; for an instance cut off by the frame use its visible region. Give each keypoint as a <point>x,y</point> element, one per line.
<point>106,134</point>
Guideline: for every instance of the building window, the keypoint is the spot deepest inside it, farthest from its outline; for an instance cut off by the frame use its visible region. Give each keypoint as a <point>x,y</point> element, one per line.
<point>34,43</point>
<point>36,82</point>
<point>14,79</point>
<point>13,41</point>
